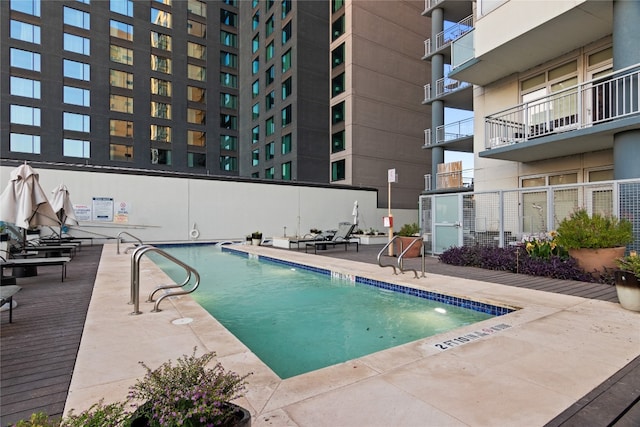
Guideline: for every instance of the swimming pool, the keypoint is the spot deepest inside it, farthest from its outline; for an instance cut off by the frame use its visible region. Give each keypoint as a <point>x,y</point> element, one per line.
<point>297,319</point>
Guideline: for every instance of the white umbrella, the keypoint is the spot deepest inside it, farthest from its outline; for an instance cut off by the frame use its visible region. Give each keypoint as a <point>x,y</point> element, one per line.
<point>355,212</point>
<point>24,203</point>
<point>62,206</point>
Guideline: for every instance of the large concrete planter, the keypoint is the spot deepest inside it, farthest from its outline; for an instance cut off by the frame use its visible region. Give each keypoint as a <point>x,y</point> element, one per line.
<point>595,261</point>
<point>628,289</point>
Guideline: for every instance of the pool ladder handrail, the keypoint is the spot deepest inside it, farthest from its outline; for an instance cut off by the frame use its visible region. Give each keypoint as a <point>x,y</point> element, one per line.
<point>400,262</point>
<point>135,279</point>
<point>119,239</point>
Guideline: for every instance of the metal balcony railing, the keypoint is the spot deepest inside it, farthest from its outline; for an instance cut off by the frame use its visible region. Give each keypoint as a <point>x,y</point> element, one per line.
<point>428,4</point>
<point>427,138</point>
<point>455,130</point>
<point>586,104</point>
<point>445,37</point>
<point>443,86</point>
<point>455,179</point>
<point>427,182</point>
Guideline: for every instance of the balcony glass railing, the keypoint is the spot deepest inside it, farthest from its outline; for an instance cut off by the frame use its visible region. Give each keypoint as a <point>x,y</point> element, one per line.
<point>463,50</point>
<point>443,38</point>
<point>587,104</point>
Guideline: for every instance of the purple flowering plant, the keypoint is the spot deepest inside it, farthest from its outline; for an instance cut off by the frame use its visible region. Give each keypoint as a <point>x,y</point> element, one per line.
<point>188,393</point>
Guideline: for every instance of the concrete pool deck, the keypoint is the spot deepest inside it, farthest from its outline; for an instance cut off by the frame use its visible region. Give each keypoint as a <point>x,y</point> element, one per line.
<point>530,366</point>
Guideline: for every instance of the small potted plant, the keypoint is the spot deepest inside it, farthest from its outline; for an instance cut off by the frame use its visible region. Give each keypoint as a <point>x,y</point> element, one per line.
<point>256,238</point>
<point>409,233</point>
<point>628,281</point>
<point>595,241</point>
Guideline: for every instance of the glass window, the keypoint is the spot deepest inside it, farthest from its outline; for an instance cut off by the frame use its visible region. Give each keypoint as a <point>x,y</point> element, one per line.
<point>269,51</point>
<point>197,29</point>
<point>121,152</point>
<point>121,128</point>
<point>255,157</point>
<point>337,170</point>
<point>337,142</point>
<point>228,142</point>
<point>23,115</point>
<point>286,7</point>
<point>228,39</point>
<point>337,113</point>
<point>286,88</point>
<point>196,138</point>
<point>285,143</point>
<point>270,150</point>
<point>255,111</point>
<point>196,160</point>
<point>76,18</point>
<point>121,30</point>
<point>161,17</point>
<point>123,7</point>
<point>228,59</point>
<point>228,121</point>
<point>269,100</point>
<point>121,79</point>
<point>255,65</point>
<point>268,25</point>
<point>121,55</point>
<point>197,51</point>
<point>271,126</point>
<point>160,110</point>
<point>286,33</point>
<point>228,18</point>
<point>286,116</point>
<point>25,87</point>
<point>197,8</point>
<point>337,28</point>
<point>228,80</point>
<point>76,122</point>
<point>76,148</point>
<point>196,116</point>
<point>160,87</point>
<point>122,104</point>
<point>255,174</point>
<point>255,43</point>
<point>228,100</point>
<point>337,85</point>
<point>161,64</point>
<point>196,72</point>
<point>336,5</point>
<point>270,75</point>
<point>196,94</point>
<point>77,44</point>
<point>76,96</point>
<point>255,135</point>
<point>270,4</point>
<point>167,2</point>
<point>270,173</point>
<point>161,41</point>
<point>233,3</point>
<point>25,59</point>
<point>286,171</point>
<point>286,61</point>
<point>255,21</point>
<point>30,7</point>
<point>25,32</point>
<point>337,56</point>
<point>76,70</point>
<point>24,143</point>
<point>228,163</point>
<point>255,89</point>
<point>160,156</point>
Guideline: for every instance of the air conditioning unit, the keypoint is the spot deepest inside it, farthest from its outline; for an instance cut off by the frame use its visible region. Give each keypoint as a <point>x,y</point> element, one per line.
<point>154,156</point>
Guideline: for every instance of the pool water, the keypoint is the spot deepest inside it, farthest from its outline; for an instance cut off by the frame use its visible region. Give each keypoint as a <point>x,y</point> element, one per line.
<point>297,321</point>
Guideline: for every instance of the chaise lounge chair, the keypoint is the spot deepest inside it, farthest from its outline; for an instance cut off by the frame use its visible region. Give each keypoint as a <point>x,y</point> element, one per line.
<point>342,237</point>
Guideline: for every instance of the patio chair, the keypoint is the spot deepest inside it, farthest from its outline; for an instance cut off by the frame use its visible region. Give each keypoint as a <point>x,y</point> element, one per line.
<point>342,237</point>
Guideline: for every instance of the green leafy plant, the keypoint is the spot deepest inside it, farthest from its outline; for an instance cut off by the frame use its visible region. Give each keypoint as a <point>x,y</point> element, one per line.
<point>39,419</point>
<point>580,230</point>
<point>409,230</point>
<point>630,264</point>
<point>256,235</point>
<point>544,245</point>
<point>98,415</point>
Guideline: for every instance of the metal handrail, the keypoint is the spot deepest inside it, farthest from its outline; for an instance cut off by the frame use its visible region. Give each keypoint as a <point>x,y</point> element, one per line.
<point>400,261</point>
<point>135,278</point>
<point>382,251</point>
<point>118,239</point>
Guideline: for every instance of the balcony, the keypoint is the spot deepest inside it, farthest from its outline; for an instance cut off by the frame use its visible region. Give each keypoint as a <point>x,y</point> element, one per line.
<point>456,136</point>
<point>454,10</point>
<point>579,119</point>
<point>445,38</point>
<point>455,181</point>
<point>456,96</point>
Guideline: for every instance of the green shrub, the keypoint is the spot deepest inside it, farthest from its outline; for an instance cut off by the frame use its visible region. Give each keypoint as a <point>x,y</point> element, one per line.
<point>409,230</point>
<point>580,230</point>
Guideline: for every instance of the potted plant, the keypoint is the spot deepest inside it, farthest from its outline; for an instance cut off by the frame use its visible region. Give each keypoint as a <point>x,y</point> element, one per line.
<point>594,241</point>
<point>627,280</point>
<point>256,238</point>
<point>408,233</point>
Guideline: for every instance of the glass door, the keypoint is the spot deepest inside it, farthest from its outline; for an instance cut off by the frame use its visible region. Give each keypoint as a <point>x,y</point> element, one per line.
<point>448,222</point>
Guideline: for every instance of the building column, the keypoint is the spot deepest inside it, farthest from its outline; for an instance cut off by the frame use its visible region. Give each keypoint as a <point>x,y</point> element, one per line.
<point>437,107</point>
<point>626,39</point>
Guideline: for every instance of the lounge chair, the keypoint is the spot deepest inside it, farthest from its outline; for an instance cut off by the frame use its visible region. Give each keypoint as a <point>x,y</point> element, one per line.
<point>6,297</point>
<point>35,262</point>
<point>342,237</point>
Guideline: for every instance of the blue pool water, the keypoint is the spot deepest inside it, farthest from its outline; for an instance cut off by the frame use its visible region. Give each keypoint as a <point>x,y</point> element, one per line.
<point>297,321</point>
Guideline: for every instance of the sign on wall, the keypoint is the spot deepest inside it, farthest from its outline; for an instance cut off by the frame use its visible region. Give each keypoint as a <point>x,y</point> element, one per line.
<point>102,209</point>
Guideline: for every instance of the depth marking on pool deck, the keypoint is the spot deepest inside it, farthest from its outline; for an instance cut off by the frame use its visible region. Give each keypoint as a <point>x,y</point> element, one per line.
<point>472,336</point>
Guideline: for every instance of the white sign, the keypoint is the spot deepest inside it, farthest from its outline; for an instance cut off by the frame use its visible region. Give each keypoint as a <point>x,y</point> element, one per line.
<point>102,209</point>
<point>82,212</point>
<point>391,175</point>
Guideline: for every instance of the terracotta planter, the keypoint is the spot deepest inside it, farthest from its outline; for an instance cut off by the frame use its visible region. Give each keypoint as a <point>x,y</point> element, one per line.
<point>403,243</point>
<point>628,289</point>
<point>595,261</point>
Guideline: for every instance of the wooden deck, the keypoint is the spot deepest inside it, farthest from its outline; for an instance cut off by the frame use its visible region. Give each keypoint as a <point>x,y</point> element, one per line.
<point>38,350</point>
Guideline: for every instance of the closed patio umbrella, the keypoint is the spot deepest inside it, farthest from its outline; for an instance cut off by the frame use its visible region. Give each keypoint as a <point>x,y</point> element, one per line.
<point>62,206</point>
<point>355,212</point>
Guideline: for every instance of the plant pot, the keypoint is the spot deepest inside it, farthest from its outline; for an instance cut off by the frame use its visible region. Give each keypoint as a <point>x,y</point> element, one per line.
<point>628,289</point>
<point>241,417</point>
<point>256,242</point>
<point>403,243</point>
<point>595,261</point>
